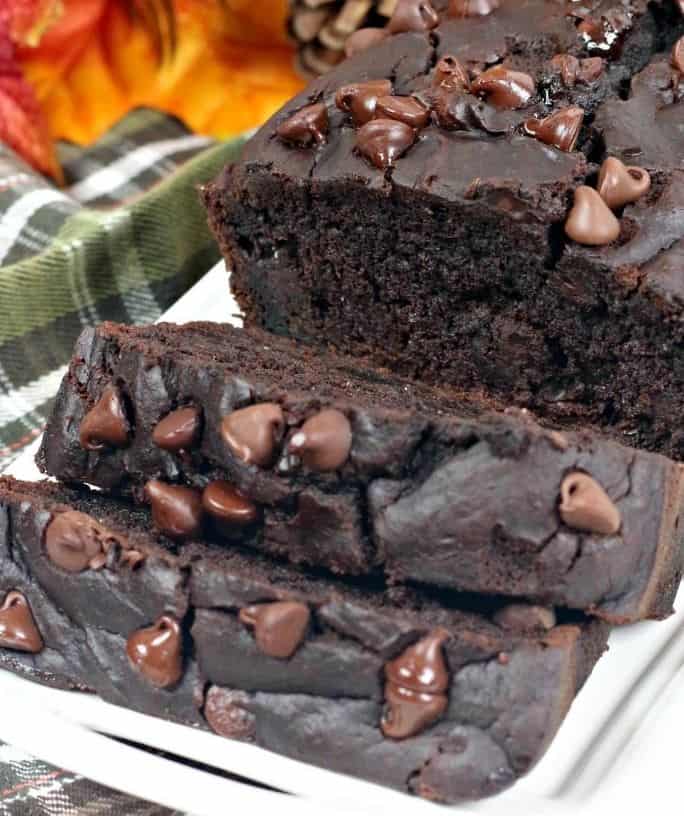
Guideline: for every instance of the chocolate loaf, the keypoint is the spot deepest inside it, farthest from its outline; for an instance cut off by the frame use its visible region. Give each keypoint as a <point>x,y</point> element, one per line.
<point>491,196</point>
<point>314,458</point>
<point>387,685</point>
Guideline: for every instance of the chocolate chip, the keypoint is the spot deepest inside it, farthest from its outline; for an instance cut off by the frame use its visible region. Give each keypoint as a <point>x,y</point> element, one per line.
<point>415,687</point>
<point>619,185</point>
<point>406,109</point>
<point>560,129</point>
<point>678,55</point>
<point>75,541</point>
<point>383,141</point>
<point>224,711</point>
<point>504,88</point>
<point>360,98</point>
<point>568,68</point>
<point>472,8</point>
<point>363,39</point>
<point>585,505</point>
<point>413,15</point>
<point>156,652</point>
<point>253,434</point>
<point>590,221</point>
<point>18,630</point>
<point>176,510</point>
<point>306,127</point>
<point>452,109</point>
<point>105,425</point>
<point>279,628</point>
<point>450,73</point>
<point>522,617</point>
<point>324,441</point>
<point>179,430</point>
<point>223,501</point>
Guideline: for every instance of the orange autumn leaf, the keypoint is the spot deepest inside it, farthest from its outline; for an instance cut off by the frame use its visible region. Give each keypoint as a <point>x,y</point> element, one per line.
<point>30,19</point>
<point>22,123</point>
<point>231,68</point>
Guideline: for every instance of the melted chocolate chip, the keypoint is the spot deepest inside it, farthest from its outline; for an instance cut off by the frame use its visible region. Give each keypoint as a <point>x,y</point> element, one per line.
<point>415,687</point>
<point>176,510</point>
<point>306,127</point>
<point>383,141</point>
<point>472,8</point>
<point>75,541</point>
<point>619,185</point>
<point>452,109</point>
<point>560,129</point>
<point>223,501</point>
<point>590,221</point>
<point>363,39</point>
<point>360,98</point>
<point>105,425</point>
<point>504,87</point>
<point>585,505</point>
<point>406,109</point>
<point>254,433</point>
<point>324,441</point>
<point>522,617</point>
<point>156,652</point>
<point>18,630</point>
<point>450,73</point>
<point>413,15</point>
<point>678,55</point>
<point>179,430</point>
<point>590,69</point>
<point>132,559</point>
<point>279,628</point>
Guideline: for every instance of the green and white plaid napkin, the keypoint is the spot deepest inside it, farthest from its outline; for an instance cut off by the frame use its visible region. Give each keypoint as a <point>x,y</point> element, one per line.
<point>123,241</point>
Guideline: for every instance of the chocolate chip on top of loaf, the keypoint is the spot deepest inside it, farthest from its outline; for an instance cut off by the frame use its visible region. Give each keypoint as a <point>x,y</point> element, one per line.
<point>312,457</point>
<point>466,220</point>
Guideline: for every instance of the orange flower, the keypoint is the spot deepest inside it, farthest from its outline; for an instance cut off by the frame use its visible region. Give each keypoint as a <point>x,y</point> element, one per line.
<point>231,67</point>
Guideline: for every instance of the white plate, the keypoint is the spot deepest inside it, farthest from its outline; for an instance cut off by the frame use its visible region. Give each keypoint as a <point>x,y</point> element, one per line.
<point>619,748</point>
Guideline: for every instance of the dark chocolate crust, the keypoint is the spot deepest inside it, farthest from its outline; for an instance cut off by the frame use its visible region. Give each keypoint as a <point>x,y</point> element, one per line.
<point>435,490</point>
<point>508,690</point>
<point>452,265</point>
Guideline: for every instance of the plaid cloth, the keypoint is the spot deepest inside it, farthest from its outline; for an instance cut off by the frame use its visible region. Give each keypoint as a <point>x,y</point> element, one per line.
<point>122,242</point>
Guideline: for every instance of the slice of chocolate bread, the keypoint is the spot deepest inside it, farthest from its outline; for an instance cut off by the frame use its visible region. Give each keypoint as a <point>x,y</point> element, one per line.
<point>312,457</point>
<point>432,202</point>
<point>390,686</point>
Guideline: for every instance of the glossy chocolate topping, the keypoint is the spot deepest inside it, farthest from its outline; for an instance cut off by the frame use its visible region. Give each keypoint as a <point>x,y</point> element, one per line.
<point>360,98</point>
<point>176,510</point>
<point>590,221</point>
<point>254,433</point>
<point>415,688</point>
<point>450,73</point>
<point>324,441</point>
<point>306,127</point>
<point>413,15</point>
<point>585,505</point>
<point>75,541</point>
<point>561,129</point>
<point>157,652</point>
<point>619,185</point>
<point>18,629</point>
<point>179,430</point>
<point>279,628</point>
<point>383,141</point>
<point>105,425</point>
<point>223,501</point>
<point>405,109</point>
<point>504,88</point>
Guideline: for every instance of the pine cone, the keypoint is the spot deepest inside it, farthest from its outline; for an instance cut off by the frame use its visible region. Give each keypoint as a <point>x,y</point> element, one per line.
<point>321,28</point>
